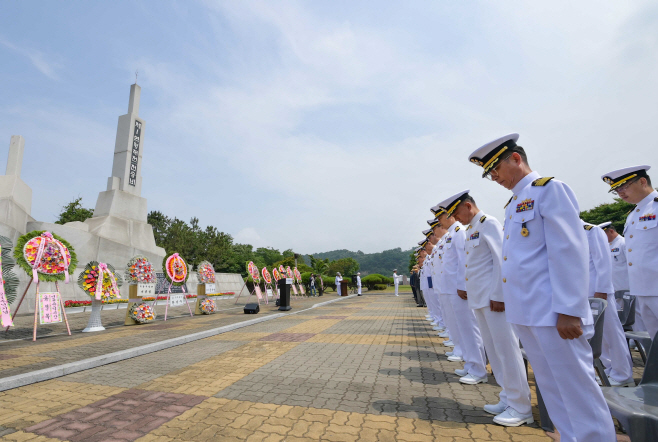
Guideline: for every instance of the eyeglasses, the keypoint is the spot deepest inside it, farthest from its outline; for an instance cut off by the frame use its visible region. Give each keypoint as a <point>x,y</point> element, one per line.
<point>495,169</point>
<point>623,187</point>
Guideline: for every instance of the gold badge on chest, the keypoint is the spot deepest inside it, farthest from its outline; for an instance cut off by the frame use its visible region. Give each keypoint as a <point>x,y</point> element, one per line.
<point>524,230</point>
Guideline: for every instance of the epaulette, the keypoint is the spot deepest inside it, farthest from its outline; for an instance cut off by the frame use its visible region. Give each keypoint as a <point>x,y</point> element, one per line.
<point>510,200</point>
<point>483,218</point>
<point>588,226</point>
<point>656,199</point>
<point>457,229</point>
<point>539,182</point>
<point>633,208</point>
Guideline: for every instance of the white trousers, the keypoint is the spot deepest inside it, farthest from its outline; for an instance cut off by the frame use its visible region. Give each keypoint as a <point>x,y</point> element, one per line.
<point>614,350</point>
<point>451,323</point>
<point>359,289</point>
<point>648,308</point>
<point>396,289</point>
<point>505,357</point>
<point>338,288</point>
<point>432,301</point>
<point>565,375</point>
<point>469,337</point>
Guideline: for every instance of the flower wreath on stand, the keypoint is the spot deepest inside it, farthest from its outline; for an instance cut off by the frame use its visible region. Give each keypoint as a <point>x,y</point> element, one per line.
<point>205,273</point>
<point>100,281</point>
<point>139,269</point>
<point>176,270</point>
<point>142,313</point>
<point>8,281</point>
<point>207,306</point>
<point>45,256</point>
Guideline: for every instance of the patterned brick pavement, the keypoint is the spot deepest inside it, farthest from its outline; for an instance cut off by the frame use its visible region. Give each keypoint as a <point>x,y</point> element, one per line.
<point>364,369</point>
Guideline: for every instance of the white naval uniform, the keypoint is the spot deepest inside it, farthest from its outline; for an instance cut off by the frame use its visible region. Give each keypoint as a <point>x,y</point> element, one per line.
<point>396,281</point>
<point>641,233</point>
<point>620,275</point>
<point>614,350</point>
<point>445,299</point>
<point>453,279</point>
<point>433,302</point>
<point>484,244</point>
<point>338,280</point>
<point>546,273</point>
<point>358,284</point>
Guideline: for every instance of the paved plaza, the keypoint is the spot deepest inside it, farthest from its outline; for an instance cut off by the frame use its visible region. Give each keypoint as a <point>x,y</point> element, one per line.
<point>365,368</point>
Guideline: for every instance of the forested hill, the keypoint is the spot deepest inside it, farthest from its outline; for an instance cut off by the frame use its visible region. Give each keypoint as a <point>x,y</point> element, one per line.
<point>383,262</point>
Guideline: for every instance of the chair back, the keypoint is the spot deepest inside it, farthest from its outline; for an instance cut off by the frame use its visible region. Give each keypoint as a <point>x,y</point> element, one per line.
<point>650,375</point>
<point>598,307</point>
<point>627,312</point>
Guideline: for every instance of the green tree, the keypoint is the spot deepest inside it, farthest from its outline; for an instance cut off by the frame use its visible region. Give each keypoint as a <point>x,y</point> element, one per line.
<point>615,212</point>
<point>269,255</point>
<point>74,211</point>
<point>412,261</point>
<point>346,267</point>
<point>160,223</point>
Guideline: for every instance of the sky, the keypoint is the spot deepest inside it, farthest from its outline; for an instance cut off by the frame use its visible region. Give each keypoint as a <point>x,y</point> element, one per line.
<point>324,125</point>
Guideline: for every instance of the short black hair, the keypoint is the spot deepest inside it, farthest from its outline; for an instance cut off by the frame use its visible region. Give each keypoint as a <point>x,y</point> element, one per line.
<point>648,180</point>
<point>469,198</point>
<point>522,154</point>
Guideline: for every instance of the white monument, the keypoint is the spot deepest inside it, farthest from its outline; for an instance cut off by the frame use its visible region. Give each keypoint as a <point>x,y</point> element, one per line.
<point>15,195</point>
<point>118,230</point>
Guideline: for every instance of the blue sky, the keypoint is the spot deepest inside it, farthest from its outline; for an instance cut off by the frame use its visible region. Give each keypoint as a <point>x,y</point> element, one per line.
<point>327,124</point>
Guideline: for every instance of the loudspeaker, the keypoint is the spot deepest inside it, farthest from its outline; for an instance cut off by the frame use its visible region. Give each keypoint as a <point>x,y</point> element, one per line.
<point>251,308</point>
<point>277,303</point>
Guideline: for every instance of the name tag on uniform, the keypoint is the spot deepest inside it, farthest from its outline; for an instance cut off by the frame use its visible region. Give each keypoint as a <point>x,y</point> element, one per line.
<point>525,205</point>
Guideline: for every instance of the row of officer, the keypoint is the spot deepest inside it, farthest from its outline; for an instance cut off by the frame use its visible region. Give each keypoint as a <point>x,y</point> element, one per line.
<point>538,270</point>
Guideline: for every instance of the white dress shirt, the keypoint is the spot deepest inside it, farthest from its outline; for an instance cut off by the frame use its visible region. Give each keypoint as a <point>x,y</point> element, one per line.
<point>454,261</point>
<point>358,280</point>
<point>438,262</point>
<point>546,272</point>
<point>619,263</point>
<point>484,258</point>
<point>600,267</point>
<point>641,233</point>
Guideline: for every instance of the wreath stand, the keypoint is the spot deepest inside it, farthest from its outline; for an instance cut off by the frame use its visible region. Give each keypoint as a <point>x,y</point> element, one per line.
<point>155,301</point>
<point>256,291</point>
<point>36,309</point>
<point>95,323</point>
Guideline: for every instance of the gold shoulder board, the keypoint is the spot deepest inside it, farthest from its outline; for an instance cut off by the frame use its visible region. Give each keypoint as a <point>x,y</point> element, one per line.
<point>510,200</point>
<point>483,218</point>
<point>588,227</point>
<point>457,229</point>
<point>539,182</point>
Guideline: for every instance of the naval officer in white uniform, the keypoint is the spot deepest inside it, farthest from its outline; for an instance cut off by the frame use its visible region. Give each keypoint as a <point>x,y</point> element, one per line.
<point>617,245</point>
<point>484,244</point>
<point>396,281</point>
<point>433,297</point>
<point>545,275</point>
<point>453,282</point>
<point>429,288</point>
<point>614,350</point>
<point>358,283</point>
<point>437,233</point>
<point>337,282</point>
<point>633,185</point>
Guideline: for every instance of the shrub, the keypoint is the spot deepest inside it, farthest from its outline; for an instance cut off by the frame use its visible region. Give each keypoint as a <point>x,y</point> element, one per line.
<point>371,280</point>
<point>380,287</point>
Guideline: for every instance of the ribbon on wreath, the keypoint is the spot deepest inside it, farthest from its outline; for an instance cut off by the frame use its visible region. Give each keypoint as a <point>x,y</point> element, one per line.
<point>102,269</point>
<point>47,236</point>
<point>5,317</point>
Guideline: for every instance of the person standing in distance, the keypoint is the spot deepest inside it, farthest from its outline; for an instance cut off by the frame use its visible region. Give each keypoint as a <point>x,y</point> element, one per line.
<point>358,283</point>
<point>545,275</point>
<point>396,281</point>
<point>484,245</point>
<point>337,282</point>
<point>633,185</point>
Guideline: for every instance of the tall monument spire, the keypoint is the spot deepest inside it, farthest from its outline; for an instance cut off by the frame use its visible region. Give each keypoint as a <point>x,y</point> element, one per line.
<point>127,164</point>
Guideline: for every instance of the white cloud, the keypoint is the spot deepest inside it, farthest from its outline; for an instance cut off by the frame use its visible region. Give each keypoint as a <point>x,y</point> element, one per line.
<point>39,60</point>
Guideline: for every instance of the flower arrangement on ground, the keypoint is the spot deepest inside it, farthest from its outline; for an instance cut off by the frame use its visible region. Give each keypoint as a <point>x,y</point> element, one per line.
<point>139,269</point>
<point>298,275</point>
<point>141,313</point>
<point>289,272</point>
<point>207,306</point>
<point>205,273</point>
<point>176,270</point>
<point>45,256</point>
<point>276,274</point>
<point>100,281</point>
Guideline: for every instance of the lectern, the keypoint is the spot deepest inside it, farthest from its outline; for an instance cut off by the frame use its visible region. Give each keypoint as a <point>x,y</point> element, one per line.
<point>284,293</point>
